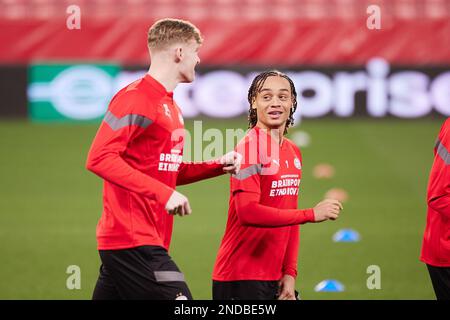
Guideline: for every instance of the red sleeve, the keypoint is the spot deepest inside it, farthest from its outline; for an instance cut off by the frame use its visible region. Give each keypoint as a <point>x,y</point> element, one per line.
<point>291,256</point>
<point>124,121</point>
<point>251,213</point>
<point>193,172</point>
<point>439,183</point>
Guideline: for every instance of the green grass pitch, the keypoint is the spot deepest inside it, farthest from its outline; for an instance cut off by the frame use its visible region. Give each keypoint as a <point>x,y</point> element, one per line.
<point>50,205</point>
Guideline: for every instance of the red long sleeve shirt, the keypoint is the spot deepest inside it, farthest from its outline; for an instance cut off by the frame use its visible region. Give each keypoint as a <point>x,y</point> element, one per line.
<point>436,239</point>
<point>261,239</point>
<point>138,152</point>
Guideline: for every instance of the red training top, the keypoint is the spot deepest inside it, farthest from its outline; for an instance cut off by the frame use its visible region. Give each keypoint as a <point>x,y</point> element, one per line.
<point>138,152</point>
<point>262,234</point>
<point>436,240</point>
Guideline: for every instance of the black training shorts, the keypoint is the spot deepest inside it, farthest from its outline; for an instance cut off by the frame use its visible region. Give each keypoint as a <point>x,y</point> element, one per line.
<point>146,272</point>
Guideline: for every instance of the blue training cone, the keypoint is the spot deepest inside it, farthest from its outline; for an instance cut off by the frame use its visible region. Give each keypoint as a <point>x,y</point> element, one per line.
<point>329,286</point>
<point>346,235</point>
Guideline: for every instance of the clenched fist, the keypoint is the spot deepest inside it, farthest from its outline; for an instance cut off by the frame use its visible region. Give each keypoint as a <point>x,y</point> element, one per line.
<point>327,209</point>
<point>178,204</point>
<point>231,162</point>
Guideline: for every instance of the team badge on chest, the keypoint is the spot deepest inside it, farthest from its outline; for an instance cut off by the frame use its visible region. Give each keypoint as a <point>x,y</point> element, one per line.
<point>297,163</point>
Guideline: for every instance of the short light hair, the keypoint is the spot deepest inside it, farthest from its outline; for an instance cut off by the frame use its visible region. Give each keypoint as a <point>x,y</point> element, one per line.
<point>168,31</point>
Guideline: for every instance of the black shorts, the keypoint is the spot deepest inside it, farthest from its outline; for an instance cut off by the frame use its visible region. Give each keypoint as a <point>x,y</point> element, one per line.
<point>245,290</point>
<point>145,272</point>
<point>440,278</point>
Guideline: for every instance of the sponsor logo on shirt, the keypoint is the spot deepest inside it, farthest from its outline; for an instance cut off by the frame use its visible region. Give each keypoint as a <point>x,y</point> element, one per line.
<point>287,186</point>
<point>169,161</point>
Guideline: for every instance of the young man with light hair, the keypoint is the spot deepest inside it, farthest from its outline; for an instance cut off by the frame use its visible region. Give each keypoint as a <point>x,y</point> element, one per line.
<point>138,153</point>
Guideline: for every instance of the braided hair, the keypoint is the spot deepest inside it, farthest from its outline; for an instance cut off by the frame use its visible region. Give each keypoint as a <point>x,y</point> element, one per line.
<point>256,87</point>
